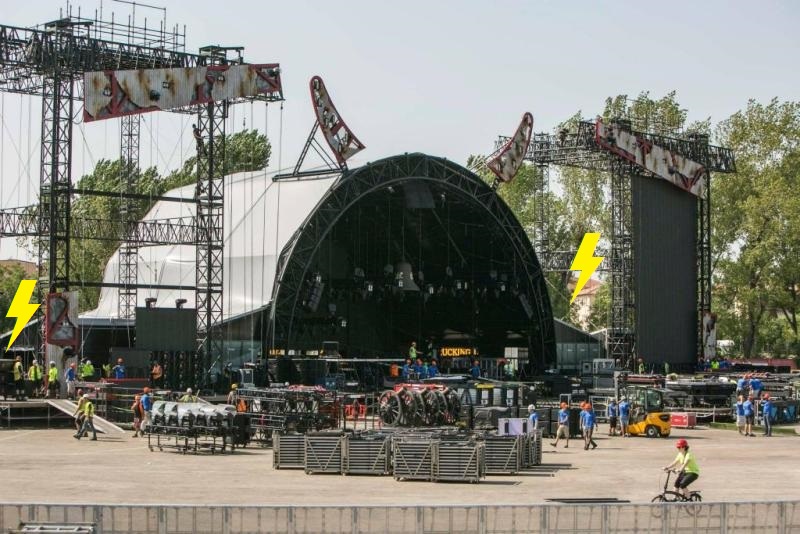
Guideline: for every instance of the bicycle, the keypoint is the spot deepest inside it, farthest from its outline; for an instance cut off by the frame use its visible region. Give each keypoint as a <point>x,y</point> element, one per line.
<point>668,495</point>
<point>674,496</point>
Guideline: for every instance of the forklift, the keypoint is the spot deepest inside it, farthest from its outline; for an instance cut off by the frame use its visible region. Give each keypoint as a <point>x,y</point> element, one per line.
<point>647,415</point>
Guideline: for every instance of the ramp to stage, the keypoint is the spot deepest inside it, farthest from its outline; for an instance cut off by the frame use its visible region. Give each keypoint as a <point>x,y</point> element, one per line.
<point>100,424</point>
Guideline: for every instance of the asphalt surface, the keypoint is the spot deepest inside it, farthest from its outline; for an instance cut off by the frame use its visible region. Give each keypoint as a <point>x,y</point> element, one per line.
<point>50,466</point>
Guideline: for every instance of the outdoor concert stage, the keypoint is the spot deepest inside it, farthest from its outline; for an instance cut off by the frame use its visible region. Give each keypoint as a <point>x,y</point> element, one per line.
<point>407,248</point>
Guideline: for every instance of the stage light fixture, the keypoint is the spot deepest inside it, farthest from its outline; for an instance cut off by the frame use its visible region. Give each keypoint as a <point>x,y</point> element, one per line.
<point>179,303</point>
<point>150,302</point>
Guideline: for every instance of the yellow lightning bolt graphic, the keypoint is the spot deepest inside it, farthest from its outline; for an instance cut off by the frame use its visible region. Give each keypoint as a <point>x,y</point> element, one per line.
<point>21,308</point>
<point>585,261</point>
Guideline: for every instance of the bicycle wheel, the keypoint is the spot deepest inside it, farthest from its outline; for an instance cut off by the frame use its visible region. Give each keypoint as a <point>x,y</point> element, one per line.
<point>658,511</point>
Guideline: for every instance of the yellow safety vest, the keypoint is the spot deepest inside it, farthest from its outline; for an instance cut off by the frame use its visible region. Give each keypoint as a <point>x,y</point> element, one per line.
<point>35,372</point>
<point>52,374</point>
<point>17,371</point>
<point>88,409</point>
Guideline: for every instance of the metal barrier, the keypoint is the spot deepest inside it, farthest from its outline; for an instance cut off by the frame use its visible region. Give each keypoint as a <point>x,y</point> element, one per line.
<point>705,518</point>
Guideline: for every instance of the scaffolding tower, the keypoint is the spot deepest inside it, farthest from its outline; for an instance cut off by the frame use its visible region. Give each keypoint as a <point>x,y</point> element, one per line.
<point>577,147</point>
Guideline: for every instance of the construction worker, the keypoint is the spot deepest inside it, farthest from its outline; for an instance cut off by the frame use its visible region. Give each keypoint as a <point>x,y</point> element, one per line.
<point>232,394</point>
<point>156,374</point>
<point>588,423</point>
<point>52,380</point>
<point>563,425</point>
<point>88,419</point>
<point>138,416</point>
<point>78,413</point>
<point>188,397</point>
<point>35,376</point>
<point>612,411</point>
<point>106,370</point>
<point>147,408</point>
<point>70,376</point>
<point>433,370</point>
<point>624,408</point>
<point>86,370</point>
<point>533,417</point>
<point>118,371</point>
<point>19,379</point>
<point>475,371</point>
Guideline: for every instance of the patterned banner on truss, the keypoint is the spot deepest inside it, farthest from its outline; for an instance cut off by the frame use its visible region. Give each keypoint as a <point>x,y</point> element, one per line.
<point>676,169</point>
<point>508,160</point>
<point>339,137</point>
<point>109,94</point>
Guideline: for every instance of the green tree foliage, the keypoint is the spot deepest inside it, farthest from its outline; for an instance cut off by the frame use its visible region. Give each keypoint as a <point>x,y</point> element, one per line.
<point>756,230</point>
<point>755,217</point>
<point>244,151</point>
<point>10,276</point>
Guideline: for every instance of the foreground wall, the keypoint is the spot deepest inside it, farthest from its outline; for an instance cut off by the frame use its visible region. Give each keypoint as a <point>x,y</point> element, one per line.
<point>753,517</point>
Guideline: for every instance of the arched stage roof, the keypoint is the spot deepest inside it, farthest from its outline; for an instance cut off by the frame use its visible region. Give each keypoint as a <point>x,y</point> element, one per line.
<point>482,283</point>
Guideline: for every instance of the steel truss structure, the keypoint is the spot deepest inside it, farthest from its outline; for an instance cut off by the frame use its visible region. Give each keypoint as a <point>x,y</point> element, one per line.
<point>48,62</point>
<point>130,126</point>
<point>578,148</point>
<point>295,261</point>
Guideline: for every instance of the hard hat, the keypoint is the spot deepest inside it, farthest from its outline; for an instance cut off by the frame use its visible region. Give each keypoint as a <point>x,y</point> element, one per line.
<point>52,363</point>
<point>681,444</point>
<point>85,395</point>
<point>234,386</point>
<point>189,390</point>
<point>88,362</point>
<point>531,408</point>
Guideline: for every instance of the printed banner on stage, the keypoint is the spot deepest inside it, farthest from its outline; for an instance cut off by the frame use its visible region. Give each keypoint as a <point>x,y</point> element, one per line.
<point>709,335</point>
<point>339,137</point>
<point>676,169</point>
<point>506,164</point>
<point>61,319</point>
<point>109,94</point>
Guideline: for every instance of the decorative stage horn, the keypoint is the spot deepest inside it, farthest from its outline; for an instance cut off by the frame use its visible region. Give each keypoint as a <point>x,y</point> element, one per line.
<point>405,277</point>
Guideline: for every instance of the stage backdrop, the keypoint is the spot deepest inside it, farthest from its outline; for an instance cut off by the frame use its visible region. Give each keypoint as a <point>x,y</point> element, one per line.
<point>664,230</point>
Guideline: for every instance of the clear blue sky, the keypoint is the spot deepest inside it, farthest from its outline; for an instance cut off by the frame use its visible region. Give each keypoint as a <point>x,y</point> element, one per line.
<point>441,77</point>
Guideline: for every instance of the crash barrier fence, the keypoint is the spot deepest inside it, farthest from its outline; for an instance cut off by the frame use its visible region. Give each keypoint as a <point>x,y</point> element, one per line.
<point>705,518</point>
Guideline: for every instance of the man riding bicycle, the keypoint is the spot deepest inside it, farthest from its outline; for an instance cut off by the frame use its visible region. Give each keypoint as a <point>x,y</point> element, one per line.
<point>688,469</point>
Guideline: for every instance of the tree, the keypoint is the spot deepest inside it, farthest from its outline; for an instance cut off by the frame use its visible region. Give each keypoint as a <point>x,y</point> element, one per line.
<point>10,277</point>
<point>247,150</point>
<point>755,232</point>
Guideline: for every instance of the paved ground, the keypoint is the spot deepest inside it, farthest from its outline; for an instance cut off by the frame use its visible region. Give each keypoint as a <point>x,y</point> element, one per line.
<point>51,466</point>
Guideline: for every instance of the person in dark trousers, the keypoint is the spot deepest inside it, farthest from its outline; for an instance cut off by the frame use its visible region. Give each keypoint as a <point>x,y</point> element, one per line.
<point>198,139</point>
<point>19,379</point>
<point>766,407</point>
<point>88,419</point>
<point>688,471</point>
<point>611,413</point>
<point>624,408</point>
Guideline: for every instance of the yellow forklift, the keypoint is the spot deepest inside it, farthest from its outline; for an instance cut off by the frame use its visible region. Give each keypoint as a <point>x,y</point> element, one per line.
<point>647,415</point>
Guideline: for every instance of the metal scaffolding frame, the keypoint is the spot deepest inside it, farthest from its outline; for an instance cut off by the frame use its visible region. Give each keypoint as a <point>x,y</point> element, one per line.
<point>577,147</point>
<point>210,204</point>
<point>130,127</point>
<point>295,262</point>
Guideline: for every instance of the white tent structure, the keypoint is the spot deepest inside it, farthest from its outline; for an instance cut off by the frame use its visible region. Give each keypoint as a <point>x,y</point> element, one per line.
<point>260,217</point>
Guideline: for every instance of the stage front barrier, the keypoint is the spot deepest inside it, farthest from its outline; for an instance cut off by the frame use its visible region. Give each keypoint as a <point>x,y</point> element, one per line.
<point>706,518</point>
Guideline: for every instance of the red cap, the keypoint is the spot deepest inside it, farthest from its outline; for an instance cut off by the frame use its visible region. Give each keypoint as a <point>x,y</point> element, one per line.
<point>681,444</point>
